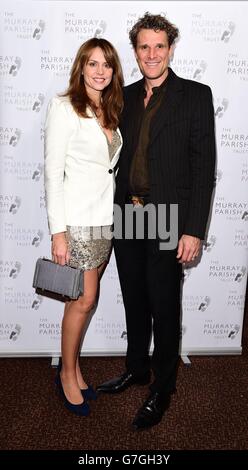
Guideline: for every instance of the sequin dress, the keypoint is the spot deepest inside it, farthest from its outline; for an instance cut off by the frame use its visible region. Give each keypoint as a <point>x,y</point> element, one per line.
<point>90,246</point>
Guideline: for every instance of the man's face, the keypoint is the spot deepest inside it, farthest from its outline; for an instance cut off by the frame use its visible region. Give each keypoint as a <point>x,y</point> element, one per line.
<point>153,54</point>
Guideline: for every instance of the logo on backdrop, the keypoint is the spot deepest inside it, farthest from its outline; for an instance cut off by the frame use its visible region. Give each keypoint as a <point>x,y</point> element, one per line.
<point>221,330</point>
<point>241,274</point>
<point>204,304</point>
<point>195,303</point>
<point>234,141</point>
<point>38,172</point>
<point>131,69</point>
<point>234,331</point>
<point>100,29</point>
<point>227,272</point>
<point>15,205</point>
<point>190,68</point>
<point>237,67</point>
<point>57,66</point>
<point>23,27</point>
<point>38,102</point>
<point>119,299</point>
<point>21,300</point>
<point>38,238</point>
<point>110,330</point>
<point>23,100</point>
<point>15,332</point>
<point>9,66</point>
<point>230,210</point>
<point>39,30</point>
<point>244,173</point>
<point>84,28</point>
<point>236,300</point>
<point>42,199</point>
<point>49,330</point>
<point>23,236</point>
<point>9,204</point>
<point>211,30</point>
<point>10,331</point>
<point>221,105</point>
<point>38,299</point>
<point>240,239</point>
<point>209,243</point>
<point>228,32</point>
<point>132,18</point>
<point>124,335</point>
<point>22,170</point>
<point>9,269</point>
<point>10,136</point>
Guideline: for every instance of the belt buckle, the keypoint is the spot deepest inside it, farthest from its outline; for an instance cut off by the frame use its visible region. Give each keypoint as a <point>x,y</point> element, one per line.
<point>137,201</point>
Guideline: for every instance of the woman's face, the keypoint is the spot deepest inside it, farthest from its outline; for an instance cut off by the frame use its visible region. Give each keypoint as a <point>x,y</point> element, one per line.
<point>97,73</point>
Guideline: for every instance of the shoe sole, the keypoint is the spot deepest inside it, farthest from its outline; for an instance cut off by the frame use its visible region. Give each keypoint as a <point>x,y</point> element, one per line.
<point>123,389</point>
<point>145,428</point>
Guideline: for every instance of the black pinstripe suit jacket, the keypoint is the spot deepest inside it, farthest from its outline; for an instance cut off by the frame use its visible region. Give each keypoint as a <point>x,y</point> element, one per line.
<point>181,151</point>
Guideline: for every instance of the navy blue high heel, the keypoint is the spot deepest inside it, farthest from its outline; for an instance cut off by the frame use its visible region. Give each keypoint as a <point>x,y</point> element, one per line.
<point>82,409</point>
<point>88,393</point>
<point>59,366</point>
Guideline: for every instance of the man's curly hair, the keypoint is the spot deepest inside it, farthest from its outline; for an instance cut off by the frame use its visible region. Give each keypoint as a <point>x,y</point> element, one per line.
<point>155,22</point>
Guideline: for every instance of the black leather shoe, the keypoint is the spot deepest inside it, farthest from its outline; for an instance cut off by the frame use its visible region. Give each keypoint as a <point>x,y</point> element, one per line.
<point>119,384</point>
<point>151,411</point>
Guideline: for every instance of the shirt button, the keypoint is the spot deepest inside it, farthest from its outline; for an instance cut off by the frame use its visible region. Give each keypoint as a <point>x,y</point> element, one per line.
<point>110,171</point>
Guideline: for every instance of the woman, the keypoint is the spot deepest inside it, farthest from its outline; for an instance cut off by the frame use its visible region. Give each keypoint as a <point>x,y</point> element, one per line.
<point>82,146</point>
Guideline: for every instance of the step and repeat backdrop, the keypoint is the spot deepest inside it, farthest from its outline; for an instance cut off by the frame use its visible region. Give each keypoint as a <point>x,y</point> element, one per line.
<point>39,40</point>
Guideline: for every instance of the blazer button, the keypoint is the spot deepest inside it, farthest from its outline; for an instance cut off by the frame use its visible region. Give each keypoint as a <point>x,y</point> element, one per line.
<point>110,171</point>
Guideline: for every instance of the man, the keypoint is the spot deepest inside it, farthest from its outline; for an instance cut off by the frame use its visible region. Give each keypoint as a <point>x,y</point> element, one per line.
<point>168,158</point>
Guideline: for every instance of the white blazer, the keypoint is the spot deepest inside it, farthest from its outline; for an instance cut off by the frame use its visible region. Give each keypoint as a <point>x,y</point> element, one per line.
<point>79,176</point>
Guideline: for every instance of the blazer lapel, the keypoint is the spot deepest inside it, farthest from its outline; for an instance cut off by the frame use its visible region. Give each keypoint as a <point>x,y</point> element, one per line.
<point>172,98</point>
<point>130,118</point>
<point>116,155</point>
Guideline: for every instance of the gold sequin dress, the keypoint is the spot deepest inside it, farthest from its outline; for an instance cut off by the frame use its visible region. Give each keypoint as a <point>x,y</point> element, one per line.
<point>90,246</point>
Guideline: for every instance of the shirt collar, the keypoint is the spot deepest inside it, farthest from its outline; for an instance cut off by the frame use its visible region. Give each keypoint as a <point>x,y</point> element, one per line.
<point>157,89</point>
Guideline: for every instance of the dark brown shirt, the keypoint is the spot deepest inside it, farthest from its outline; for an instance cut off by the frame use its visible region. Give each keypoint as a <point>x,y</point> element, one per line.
<point>139,173</point>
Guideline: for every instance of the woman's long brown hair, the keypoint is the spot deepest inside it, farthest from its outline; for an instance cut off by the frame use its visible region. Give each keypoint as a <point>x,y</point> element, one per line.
<point>112,99</point>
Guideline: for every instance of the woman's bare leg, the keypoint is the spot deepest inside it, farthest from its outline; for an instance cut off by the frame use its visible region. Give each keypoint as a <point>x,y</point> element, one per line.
<point>81,382</point>
<point>74,320</point>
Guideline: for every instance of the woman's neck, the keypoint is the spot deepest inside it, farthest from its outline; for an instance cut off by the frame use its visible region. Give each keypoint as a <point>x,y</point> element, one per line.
<point>95,96</point>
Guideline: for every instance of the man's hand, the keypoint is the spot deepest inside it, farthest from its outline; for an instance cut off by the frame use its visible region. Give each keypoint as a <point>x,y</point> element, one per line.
<point>60,252</point>
<point>188,248</point>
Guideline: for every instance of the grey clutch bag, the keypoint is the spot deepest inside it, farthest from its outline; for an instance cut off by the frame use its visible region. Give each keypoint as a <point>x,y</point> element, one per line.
<point>57,279</point>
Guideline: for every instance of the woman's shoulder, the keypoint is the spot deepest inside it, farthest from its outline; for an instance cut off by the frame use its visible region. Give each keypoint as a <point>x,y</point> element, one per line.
<point>61,104</point>
<point>63,101</point>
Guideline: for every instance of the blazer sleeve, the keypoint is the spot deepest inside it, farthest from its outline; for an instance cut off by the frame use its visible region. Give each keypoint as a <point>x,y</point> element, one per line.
<point>202,154</point>
<point>58,130</point>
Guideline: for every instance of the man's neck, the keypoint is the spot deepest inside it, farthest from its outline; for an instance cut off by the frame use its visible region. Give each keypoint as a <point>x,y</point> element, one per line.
<point>151,83</point>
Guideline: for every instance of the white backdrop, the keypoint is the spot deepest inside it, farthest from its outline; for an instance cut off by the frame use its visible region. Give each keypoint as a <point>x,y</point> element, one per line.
<point>39,40</point>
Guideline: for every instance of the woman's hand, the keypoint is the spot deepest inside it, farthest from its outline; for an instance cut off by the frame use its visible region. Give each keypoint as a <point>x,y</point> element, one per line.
<point>60,251</point>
